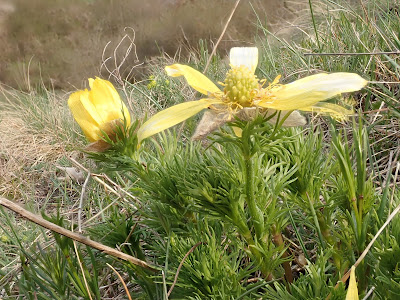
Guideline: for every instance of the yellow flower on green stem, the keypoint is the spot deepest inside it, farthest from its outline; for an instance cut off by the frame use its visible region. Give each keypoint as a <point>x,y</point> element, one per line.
<point>99,109</point>
<point>244,93</point>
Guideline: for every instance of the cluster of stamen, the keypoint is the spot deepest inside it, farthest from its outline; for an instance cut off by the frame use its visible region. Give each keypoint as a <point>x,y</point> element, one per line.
<point>266,95</point>
<point>240,86</point>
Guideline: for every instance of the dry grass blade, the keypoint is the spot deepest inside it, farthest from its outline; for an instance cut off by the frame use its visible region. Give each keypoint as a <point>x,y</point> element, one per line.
<point>83,193</point>
<point>220,37</point>
<point>83,272</point>
<point>180,266</point>
<point>122,281</point>
<point>96,177</point>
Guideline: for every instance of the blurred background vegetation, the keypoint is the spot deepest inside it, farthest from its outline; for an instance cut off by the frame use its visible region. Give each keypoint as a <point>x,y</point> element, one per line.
<point>61,42</point>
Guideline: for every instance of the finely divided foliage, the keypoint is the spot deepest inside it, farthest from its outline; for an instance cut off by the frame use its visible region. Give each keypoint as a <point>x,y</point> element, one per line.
<point>286,188</point>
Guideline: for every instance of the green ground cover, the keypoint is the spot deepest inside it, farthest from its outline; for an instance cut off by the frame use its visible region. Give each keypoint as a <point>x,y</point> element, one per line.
<point>320,192</point>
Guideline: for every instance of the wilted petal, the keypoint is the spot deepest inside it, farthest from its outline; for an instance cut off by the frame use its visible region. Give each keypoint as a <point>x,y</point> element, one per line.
<point>85,114</point>
<point>172,116</point>
<point>294,119</point>
<point>310,90</point>
<point>214,119</point>
<point>244,56</point>
<point>194,78</point>
<point>211,121</point>
<point>352,291</point>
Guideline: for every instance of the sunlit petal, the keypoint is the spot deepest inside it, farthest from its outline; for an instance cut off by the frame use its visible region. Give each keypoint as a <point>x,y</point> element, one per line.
<point>352,291</point>
<point>244,56</point>
<point>237,131</point>
<point>98,110</point>
<point>312,89</point>
<point>172,116</point>
<point>107,101</point>
<point>85,114</point>
<point>194,78</point>
<point>118,102</point>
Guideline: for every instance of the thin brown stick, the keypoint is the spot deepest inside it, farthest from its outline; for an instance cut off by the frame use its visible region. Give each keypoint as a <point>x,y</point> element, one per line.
<point>220,37</point>
<point>72,235</point>
<point>180,266</point>
<point>122,280</point>
<point>350,53</point>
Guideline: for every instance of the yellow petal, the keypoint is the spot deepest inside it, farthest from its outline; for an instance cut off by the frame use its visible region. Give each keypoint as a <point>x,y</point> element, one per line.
<point>85,114</point>
<point>329,108</point>
<point>237,131</point>
<point>172,116</point>
<point>107,101</point>
<point>352,291</point>
<point>244,56</point>
<point>312,89</point>
<point>194,78</point>
<point>118,101</point>
<point>97,109</point>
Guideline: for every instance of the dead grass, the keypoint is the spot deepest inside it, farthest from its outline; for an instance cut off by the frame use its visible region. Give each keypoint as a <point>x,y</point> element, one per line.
<point>35,130</point>
<point>21,153</point>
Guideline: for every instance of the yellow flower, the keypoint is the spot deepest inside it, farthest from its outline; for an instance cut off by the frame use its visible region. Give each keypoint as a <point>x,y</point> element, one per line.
<point>243,91</point>
<point>98,110</point>
<point>152,82</point>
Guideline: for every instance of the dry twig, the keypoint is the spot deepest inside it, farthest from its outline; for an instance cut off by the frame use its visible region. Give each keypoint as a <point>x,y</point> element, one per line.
<point>83,193</point>
<point>72,235</point>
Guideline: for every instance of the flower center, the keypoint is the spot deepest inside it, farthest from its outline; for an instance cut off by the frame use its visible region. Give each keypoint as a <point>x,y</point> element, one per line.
<point>240,83</point>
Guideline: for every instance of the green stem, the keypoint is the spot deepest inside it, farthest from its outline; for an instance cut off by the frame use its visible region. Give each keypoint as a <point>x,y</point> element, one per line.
<point>256,215</point>
<point>358,220</point>
<point>316,222</point>
<point>246,234</point>
<point>323,232</point>
<point>241,224</point>
<point>326,233</point>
